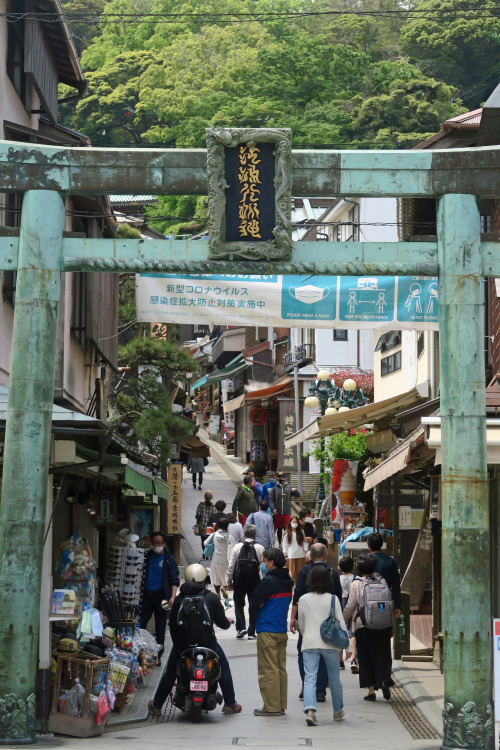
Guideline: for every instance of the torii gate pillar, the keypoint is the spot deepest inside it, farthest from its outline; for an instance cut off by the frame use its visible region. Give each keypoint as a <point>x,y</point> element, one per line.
<point>467,713</point>
<point>26,458</point>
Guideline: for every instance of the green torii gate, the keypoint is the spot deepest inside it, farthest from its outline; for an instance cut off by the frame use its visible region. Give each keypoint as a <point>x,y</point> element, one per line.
<point>40,253</point>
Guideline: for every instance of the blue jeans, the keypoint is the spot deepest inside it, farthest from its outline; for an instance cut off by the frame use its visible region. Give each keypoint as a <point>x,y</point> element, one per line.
<point>311,664</point>
<point>168,678</point>
<point>322,676</point>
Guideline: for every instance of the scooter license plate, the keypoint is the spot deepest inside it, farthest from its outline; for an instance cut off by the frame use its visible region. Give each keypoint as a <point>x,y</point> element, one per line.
<point>198,686</point>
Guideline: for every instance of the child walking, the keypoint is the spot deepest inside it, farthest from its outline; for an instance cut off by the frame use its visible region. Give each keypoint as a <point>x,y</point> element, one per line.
<point>346,566</point>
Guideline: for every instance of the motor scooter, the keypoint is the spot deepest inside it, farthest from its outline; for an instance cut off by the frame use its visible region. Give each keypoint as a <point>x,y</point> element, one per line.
<point>198,673</point>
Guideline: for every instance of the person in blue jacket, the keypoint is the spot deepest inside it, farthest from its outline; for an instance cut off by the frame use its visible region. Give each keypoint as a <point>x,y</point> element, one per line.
<point>160,581</point>
<point>269,604</point>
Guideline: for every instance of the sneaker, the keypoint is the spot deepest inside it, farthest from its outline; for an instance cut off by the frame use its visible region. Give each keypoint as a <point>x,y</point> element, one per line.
<point>311,719</point>
<point>354,667</point>
<point>263,712</point>
<point>252,637</point>
<point>321,697</point>
<point>241,633</point>
<point>301,695</point>
<point>339,715</point>
<point>236,709</point>
<point>199,488</point>
<point>342,665</point>
<point>282,712</point>
<point>153,710</point>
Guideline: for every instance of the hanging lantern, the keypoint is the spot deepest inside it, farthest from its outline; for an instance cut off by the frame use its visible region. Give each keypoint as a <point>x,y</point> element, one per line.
<point>257,416</point>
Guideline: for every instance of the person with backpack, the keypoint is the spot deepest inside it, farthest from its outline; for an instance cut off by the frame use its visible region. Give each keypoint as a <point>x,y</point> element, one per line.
<point>194,613</point>
<point>371,607</point>
<point>279,498</point>
<point>386,568</point>
<point>243,576</point>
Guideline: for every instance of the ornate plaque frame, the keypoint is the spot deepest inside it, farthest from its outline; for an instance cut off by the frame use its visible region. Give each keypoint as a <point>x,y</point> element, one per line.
<point>279,248</point>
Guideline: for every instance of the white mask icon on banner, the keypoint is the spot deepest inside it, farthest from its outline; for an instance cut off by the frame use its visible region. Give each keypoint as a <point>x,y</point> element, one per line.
<point>309,294</point>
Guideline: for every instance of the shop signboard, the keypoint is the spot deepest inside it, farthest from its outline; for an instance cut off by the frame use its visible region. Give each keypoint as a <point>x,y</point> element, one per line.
<point>214,424</point>
<point>354,302</point>
<point>287,457</point>
<point>175,502</point>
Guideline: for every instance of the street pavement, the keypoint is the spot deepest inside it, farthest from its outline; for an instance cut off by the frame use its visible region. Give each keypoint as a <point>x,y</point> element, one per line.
<point>367,726</point>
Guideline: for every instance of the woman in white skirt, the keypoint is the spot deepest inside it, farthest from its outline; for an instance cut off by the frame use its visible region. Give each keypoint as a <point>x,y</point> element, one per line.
<point>219,562</point>
<point>294,548</point>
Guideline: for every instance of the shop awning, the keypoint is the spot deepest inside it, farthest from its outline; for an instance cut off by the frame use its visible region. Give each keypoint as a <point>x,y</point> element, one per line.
<point>236,365</point>
<point>233,404</point>
<point>346,420</point>
<point>139,479</point>
<point>396,461</point>
<point>282,385</point>
<point>199,383</point>
<point>161,488</point>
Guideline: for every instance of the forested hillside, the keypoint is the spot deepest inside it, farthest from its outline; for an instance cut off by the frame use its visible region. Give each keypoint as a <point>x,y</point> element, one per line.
<point>340,73</point>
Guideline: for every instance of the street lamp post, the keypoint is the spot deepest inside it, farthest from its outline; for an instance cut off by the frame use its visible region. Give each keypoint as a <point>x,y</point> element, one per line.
<point>331,400</point>
<point>320,392</point>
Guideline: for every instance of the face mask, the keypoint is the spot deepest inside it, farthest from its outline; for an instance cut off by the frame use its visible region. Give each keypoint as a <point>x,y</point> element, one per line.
<point>309,294</point>
<point>294,525</point>
<point>309,520</point>
<point>281,481</point>
<point>158,550</point>
<point>263,569</point>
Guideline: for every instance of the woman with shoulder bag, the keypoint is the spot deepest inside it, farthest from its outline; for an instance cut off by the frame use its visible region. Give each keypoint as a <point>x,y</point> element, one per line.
<point>203,512</point>
<point>314,608</point>
<point>373,646</point>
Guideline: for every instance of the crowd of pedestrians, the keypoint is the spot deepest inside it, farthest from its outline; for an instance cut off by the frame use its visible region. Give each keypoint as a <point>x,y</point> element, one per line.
<point>275,564</point>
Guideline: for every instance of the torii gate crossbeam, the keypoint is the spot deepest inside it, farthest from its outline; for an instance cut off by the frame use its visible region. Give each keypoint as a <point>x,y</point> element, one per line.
<point>457,178</point>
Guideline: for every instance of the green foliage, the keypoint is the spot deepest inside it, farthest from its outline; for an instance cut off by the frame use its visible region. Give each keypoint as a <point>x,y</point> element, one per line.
<point>125,231</point>
<point>145,402</point>
<point>339,81</point>
<point>180,214</point>
<point>461,48</point>
<point>351,447</point>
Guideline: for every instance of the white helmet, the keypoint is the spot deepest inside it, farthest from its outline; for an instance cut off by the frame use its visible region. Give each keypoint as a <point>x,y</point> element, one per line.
<point>195,573</point>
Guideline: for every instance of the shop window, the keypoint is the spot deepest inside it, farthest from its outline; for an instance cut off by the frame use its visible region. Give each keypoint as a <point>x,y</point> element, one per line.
<point>339,334</point>
<point>390,364</point>
<point>79,310</point>
<point>420,343</point>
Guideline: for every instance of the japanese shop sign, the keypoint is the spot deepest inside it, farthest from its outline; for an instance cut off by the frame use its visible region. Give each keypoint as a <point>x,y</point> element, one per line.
<point>407,302</point>
<point>287,457</point>
<point>174,504</point>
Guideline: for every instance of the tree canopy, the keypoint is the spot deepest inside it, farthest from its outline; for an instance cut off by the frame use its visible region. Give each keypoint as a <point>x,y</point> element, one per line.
<point>378,75</point>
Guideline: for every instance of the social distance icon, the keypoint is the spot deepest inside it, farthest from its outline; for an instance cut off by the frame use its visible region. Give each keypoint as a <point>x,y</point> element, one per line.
<point>309,294</point>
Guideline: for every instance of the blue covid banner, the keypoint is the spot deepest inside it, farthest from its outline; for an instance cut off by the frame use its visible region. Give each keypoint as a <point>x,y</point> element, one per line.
<point>362,302</point>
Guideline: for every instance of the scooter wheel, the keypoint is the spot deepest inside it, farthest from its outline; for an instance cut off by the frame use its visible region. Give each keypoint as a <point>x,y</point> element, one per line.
<point>195,714</point>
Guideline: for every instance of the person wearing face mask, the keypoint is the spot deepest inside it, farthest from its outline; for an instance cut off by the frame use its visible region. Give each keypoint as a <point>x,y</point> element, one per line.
<point>279,502</point>
<point>160,581</point>
<point>293,548</point>
<point>269,606</point>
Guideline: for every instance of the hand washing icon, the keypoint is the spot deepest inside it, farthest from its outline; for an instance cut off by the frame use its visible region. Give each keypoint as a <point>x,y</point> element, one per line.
<point>309,294</point>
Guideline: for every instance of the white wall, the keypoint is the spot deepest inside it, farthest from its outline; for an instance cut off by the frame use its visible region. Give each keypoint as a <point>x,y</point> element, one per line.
<point>357,351</point>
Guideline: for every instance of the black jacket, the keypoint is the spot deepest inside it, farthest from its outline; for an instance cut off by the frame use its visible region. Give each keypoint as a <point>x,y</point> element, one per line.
<point>301,588</point>
<point>170,572</point>
<point>213,605</point>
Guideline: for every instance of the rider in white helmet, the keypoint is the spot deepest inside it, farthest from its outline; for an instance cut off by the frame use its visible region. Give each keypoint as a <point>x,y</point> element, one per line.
<point>195,579</point>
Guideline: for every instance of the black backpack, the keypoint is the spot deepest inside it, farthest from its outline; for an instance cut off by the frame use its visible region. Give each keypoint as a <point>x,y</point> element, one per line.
<point>195,622</point>
<point>248,562</point>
